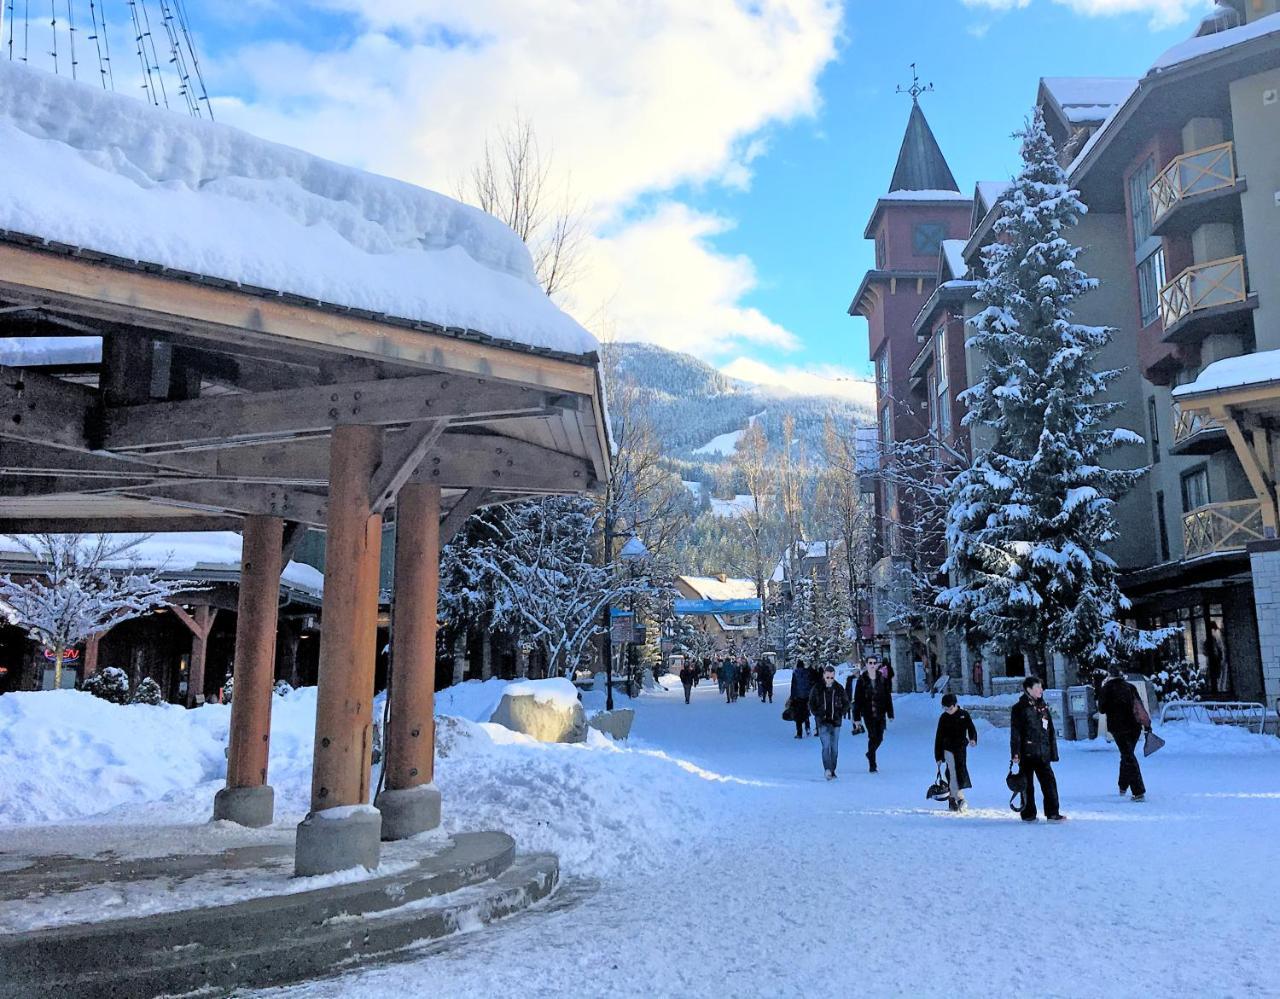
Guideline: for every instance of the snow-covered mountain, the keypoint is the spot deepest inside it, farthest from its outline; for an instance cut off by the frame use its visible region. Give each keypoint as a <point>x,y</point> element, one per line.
<point>699,412</point>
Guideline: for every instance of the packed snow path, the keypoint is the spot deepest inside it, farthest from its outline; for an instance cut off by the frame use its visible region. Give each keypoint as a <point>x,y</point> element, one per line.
<point>800,887</point>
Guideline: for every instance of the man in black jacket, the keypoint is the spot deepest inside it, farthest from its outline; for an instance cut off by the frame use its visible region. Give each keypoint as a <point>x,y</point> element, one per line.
<point>687,675</point>
<point>829,705</point>
<point>1116,701</point>
<point>872,706</point>
<point>1033,746</point>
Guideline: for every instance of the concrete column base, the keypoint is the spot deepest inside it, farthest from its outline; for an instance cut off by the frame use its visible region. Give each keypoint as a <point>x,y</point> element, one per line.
<point>337,839</point>
<point>409,811</point>
<point>248,806</point>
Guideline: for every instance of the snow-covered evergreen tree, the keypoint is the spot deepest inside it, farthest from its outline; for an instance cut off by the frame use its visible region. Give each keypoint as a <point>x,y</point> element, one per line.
<point>1029,520</point>
<point>82,585</point>
<point>110,684</point>
<point>148,692</point>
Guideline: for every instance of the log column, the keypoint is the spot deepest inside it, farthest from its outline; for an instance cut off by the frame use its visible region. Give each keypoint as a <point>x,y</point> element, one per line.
<point>410,802</point>
<point>341,830</point>
<point>248,799</point>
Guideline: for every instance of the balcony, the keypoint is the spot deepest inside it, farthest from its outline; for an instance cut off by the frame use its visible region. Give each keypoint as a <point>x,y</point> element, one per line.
<point>1207,298</point>
<point>1195,433</point>
<point>1221,527</point>
<point>1196,187</point>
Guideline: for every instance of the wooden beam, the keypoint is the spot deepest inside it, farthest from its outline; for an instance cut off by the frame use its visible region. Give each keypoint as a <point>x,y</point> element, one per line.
<point>1263,487</point>
<point>465,460</point>
<point>257,416</point>
<point>401,456</point>
<point>242,498</point>
<point>36,407</point>
<point>467,504</point>
<point>293,535</point>
<point>140,525</point>
<point>226,316</point>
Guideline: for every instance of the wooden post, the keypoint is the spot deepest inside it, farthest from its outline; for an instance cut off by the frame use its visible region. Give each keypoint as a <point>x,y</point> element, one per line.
<point>91,655</point>
<point>349,619</point>
<point>247,798</point>
<point>410,804</point>
<point>200,625</point>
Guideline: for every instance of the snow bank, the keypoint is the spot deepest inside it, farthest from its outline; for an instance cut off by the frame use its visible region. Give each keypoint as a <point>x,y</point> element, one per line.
<point>108,173</point>
<point>556,690</point>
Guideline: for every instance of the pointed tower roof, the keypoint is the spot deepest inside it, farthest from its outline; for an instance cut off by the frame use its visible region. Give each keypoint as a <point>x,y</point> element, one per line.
<point>921,165</point>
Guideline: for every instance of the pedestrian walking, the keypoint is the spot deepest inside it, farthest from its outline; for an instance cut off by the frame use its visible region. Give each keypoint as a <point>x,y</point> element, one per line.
<point>956,733</point>
<point>744,676</point>
<point>1127,719</point>
<point>1215,657</point>
<point>729,670</point>
<point>1033,746</point>
<point>801,685</point>
<point>687,675</point>
<point>977,676</point>
<point>815,679</point>
<point>872,707</point>
<point>765,671</point>
<point>829,704</point>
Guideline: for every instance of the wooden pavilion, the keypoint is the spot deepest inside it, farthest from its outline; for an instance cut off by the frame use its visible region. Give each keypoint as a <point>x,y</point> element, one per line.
<point>216,404</point>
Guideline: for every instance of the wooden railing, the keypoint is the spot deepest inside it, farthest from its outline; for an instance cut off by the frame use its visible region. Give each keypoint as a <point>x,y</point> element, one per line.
<point>1221,527</point>
<point>1188,423</point>
<point>1198,172</point>
<point>1203,286</point>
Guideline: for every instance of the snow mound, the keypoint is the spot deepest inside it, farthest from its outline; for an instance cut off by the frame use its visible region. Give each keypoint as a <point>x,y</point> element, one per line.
<point>108,173</point>
<point>556,690</point>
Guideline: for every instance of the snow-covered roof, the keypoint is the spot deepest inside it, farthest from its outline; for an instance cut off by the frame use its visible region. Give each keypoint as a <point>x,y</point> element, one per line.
<point>1086,99</point>
<point>196,552</point>
<point>991,190</point>
<point>924,196</point>
<point>111,174</point>
<point>17,352</point>
<point>1247,370</point>
<point>953,254</point>
<point>1194,47</point>
<point>713,588</point>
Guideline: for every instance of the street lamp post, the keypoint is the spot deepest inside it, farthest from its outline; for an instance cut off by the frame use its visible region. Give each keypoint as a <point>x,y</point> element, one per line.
<point>632,553</point>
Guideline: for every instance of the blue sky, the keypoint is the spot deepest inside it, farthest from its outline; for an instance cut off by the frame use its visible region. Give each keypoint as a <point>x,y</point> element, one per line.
<point>725,154</point>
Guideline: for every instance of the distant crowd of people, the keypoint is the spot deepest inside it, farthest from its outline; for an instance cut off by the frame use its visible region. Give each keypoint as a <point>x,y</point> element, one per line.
<point>818,704</point>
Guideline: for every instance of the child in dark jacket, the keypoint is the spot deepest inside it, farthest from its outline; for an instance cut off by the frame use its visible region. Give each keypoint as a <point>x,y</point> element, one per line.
<point>951,746</point>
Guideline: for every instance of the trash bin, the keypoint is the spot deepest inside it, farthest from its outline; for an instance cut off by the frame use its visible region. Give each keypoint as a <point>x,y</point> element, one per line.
<point>1057,704</point>
<point>1081,708</point>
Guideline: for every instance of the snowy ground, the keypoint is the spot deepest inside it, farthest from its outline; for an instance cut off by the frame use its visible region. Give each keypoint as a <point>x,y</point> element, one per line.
<point>711,858</point>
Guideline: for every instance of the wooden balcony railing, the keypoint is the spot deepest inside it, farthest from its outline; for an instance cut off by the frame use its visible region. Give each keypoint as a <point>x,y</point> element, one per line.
<point>1198,172</point>
<point>1203,286</point>
<point>1187,424</point>
<point>1221,527</point>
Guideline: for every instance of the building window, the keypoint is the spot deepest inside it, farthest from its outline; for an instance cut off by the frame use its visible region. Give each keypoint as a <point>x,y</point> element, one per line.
<point>1140,200</point>
<point>1150,281</point>
<point>1195,489</point>
<point>880,251</point>
<point>1162,529</point>
<point>1154,426</point>
<point>882,374</point>
<point>927,237</point>
<point>942,393</point>
<point>886,425</point>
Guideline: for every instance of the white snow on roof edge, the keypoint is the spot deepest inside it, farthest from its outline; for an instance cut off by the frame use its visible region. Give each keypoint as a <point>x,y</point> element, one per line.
<point>1195,47</point>
<point>1234,372</point>
<point>109,173</point>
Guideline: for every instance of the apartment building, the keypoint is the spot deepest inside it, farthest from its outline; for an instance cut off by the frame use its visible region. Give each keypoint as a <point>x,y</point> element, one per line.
<point>1181,172</point>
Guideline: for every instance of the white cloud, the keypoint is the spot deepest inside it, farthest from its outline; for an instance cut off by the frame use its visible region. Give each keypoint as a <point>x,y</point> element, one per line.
<point>660,281</point>
<point>631,99</point>
<point>824,380</point>
<point>1163,12</point>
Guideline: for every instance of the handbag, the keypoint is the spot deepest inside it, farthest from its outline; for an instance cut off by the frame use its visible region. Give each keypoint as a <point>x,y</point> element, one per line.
<point>1140,714</point>
<point>787,713</point>
<point>1151,744</point>
<point>1016,783</point>
<point>939,790</point>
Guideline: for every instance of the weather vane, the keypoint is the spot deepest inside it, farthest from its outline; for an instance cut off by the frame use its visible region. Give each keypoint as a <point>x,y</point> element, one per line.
<point>915,90</point>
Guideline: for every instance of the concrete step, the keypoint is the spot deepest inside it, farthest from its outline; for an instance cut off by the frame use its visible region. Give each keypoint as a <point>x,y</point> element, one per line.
<point>178,944</point>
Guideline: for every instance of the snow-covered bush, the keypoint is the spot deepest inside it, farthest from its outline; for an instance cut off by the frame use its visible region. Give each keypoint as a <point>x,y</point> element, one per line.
<point>111,684</point>
<point>282,688</point>
<point>1180,681</point>
<point>148,692</point>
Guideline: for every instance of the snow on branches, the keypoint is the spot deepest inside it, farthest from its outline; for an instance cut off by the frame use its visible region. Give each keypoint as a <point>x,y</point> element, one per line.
<point>82,585</point>
<point>1030,518</point>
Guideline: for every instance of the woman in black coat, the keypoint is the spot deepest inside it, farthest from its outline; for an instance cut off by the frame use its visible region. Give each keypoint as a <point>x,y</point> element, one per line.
<point>955,735</point>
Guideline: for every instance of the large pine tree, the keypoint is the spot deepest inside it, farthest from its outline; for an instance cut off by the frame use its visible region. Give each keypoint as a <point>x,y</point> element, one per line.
<point>1029,520</point>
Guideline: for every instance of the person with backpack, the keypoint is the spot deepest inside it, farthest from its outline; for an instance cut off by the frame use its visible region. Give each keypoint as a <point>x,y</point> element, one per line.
<point>872,707</point>
<point>829,705</point>
<point>956,733</point>
<point>801,685</point>
<point>687,675</point>
<point>1127,719</point>
<point>1033,748</point>
<point>764,670</point>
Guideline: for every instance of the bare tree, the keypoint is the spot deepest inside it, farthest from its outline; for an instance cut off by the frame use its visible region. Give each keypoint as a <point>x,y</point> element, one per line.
<point>82,586</point>
<point>754,463</point>
<point>513,182</point>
